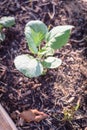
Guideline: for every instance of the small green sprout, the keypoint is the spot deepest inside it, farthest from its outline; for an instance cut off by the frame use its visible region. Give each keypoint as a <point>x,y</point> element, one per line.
<point>5,22</point>
<point>42,44</point>
<point>70,113</point>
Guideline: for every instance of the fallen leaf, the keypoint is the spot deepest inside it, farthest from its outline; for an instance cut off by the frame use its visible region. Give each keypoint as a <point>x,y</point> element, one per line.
<point>33,115</point>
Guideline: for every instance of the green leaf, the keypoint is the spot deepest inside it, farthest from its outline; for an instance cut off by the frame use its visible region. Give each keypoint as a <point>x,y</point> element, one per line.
<point>51,62</point>
<point>7,21</point>
<point>1,26</point>
<point>35,32</point>
<point>58,36</point>
<point>46,51</point>
<point>29,66</point>
<point>30,41</point>
<point>2,36</point>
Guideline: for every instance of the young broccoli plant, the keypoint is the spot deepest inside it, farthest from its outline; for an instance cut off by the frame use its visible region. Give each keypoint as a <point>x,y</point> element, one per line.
<point>5,22</point>
<point>42,44</point>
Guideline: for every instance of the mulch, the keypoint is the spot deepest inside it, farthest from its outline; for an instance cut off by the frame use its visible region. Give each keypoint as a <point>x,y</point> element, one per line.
<point>60,88</point>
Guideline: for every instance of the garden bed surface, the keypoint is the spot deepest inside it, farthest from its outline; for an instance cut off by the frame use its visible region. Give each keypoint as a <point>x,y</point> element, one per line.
<point>59,88</point>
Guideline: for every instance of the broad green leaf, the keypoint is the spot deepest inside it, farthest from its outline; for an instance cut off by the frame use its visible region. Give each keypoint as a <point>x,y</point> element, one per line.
<point>35,32</point>
<point>33,48</point>
<point>29,66</point>
<point>7,21</point>
<point>51,62</point>
<point>2,36</point>
<point>58,36</point>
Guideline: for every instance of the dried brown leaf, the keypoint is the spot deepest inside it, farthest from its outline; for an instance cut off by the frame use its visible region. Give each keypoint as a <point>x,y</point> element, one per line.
<point>33,115</point>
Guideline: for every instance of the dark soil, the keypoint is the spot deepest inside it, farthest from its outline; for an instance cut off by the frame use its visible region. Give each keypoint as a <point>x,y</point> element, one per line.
<point>59,88</point>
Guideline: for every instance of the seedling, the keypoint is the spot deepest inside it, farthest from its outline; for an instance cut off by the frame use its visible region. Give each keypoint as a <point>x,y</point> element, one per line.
<point>42,44</point>
<point>69,114</point>
<point>5,22</point>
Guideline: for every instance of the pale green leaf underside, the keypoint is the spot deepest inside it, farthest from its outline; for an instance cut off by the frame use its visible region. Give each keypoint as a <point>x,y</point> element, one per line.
<point>58,36</point>
<point>52,62</point>
<point>29,66</point>
<point>2,36</point>
<point>7,21</point>
<point>35,32</point>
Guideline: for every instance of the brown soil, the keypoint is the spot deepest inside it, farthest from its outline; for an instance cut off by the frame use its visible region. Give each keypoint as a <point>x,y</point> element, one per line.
<point>59,88</point>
